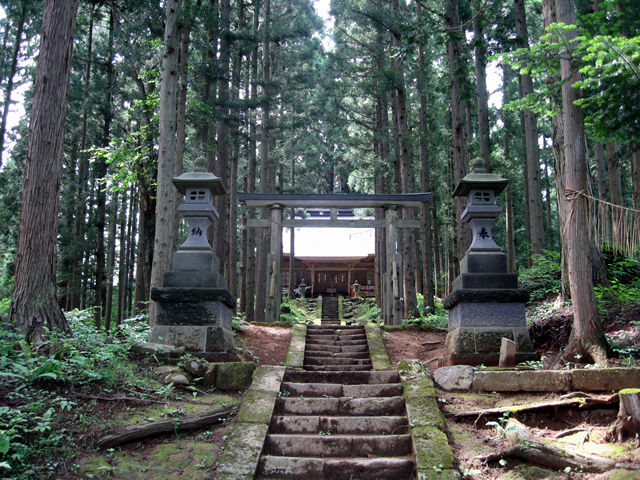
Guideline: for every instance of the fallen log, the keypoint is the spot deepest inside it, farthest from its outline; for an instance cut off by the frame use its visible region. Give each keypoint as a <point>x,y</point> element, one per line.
<point>580,403</point>
<point>525,447</point>
<point>190,422</point>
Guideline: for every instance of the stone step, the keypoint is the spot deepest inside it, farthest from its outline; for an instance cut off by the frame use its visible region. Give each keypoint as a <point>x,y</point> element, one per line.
<point>345,378</point>
<point>285,468</point>
<point>330,445</point>
<point>354,336</point>
<point>342,327</point>
<point>308,360</point>
<point>338,348</point>
<point>338,390</point>
<point>335,331</point>
<point>387,424</point>
<point>338,342</point>
<point>338,368</point>
<point>324,353</point>
<point>341,406</point>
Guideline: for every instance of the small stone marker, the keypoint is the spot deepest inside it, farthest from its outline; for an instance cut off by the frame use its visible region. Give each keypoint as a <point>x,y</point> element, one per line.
<point>507,353</point>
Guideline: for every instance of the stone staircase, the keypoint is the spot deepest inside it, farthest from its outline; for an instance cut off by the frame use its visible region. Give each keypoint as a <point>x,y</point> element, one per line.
<point>337,419</point>
<point>330,315</point>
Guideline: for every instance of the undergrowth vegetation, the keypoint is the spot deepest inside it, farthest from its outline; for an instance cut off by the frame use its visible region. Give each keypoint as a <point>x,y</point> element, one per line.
<point>40,386</point>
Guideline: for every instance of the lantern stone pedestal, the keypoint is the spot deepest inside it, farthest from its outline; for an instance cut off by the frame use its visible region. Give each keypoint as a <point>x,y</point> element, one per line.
<point>486,303</point>
<point>193,306</point>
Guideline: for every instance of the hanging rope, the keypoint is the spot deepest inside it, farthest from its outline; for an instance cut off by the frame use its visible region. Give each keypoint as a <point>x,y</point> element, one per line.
<point>614,226</point>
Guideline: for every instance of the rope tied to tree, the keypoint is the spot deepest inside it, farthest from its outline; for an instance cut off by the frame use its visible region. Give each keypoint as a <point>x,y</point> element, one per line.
<point>611,225</point>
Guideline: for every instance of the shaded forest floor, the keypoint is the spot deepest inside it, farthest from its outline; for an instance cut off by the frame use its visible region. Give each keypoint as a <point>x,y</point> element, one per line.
<point>98,410</point>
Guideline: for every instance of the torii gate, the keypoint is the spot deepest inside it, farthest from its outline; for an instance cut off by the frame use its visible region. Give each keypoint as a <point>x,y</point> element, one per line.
<point>391,301</point>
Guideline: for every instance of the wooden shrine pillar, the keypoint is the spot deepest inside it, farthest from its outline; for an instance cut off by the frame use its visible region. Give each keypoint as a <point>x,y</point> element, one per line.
<point>392,285</point>
<point>274,277</point>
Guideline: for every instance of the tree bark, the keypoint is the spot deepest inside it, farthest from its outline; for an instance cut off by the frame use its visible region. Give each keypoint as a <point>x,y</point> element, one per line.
<point>635,177</point>
<point>536,216</point>
<point>601,172</point>
<point>34,304</point>
<point>166,208</point>
<point>587,336</point>
<point>457,73</point>
<point>480,50</point>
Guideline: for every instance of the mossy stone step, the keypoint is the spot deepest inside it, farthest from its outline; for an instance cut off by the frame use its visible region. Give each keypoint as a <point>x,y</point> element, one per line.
<point>345,378</point>
<point>388,424</point>
<point>341,406</point>
<point>305,445</point>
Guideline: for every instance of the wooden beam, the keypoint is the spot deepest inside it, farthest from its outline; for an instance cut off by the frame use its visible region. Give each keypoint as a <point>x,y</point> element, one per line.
<point>307,223</point>
<point>333,200</point>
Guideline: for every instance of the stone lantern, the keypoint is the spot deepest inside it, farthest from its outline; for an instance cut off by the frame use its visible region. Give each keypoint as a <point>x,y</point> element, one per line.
<point>486,304</point>
<point>193,306</point>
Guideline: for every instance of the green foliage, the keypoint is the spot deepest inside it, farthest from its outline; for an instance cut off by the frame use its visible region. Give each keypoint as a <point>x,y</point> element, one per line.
<point>432,322</point>
<point>34,388</point>
<point>544,276</point>
<point>368,311</point>
<point>290,312</point>
<point>624,284</point>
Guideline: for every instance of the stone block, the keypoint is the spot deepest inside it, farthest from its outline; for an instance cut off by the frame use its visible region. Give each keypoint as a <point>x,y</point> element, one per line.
<point>488,340</point>
<point>522,339</point>
<point>461,340</point>
<point>193,313</point>
<point>425,412</point>
<point>190,337</point>
<point>522,381</point>
<point>159,334</point>
<point>379,358</point>
<point>218,339</point>
<point>192,279</point>
<point>432,449</point>
<point>458,378</point>
<point>234,375</point>
<point>241,453</point>
<point>507,353</point>
<point>486,295</point>
<point>485,281</point>
<point>491,314</point>
<point>267,378</point>
<point>257,407</point>
<point>195,260</point>
<point>209,377</point>
<point>605,379</point>
<point>490,262</point>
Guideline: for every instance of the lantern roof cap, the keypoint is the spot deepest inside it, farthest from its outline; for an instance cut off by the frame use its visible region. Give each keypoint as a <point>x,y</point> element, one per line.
<point>480,179</point>
<point>199,178</point>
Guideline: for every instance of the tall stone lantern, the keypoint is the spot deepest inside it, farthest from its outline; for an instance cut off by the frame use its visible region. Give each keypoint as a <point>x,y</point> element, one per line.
<point>486,303</point>
<point>193,306</point>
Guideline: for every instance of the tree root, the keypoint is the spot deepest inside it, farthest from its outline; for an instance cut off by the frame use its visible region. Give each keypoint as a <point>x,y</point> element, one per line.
<point>524,446</point>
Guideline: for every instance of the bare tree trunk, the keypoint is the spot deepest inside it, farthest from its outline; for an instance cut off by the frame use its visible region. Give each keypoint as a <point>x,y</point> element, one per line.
<point>111,261</point>
<point>123,262</point>
<point>601,172</point>
<point>11,75</point>
<point>100,170</point>
<point>506,148</point>
<point>457,73</point>
<point>587,337</point>
<point>635,177</point>
<point>428,289</point>
<point>250,265</point>
<point>615,186</point>
<point>166,208</point>
<point>535,226</point>
<point>34,304</point>
<point>481,86</point>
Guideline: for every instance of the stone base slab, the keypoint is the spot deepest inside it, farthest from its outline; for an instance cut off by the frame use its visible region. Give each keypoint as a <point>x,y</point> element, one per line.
<point>194,338</point>
<point>207,314</point>
<point>481,345</point>
<point>487,315</point>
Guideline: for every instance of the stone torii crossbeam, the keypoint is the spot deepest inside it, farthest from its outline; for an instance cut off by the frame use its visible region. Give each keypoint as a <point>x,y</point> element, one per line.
<point>391,291</point>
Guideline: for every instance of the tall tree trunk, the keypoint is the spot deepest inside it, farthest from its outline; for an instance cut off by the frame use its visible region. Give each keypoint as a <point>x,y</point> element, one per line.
<point>221,232</point>
<point>615,186</point>
<point>82,187</point>
<point>408,234</point>
<point>428,290</point>
<point>635,176</point>
<point>8,89</point>
<point>587,336</point>
<point>100,169</point>
<point>267,169</point>
<point>457,74</point>
<point>601,172</point>
<point>34,304</point>
<point>480,49</point>
<point>123,262</point>
<point>250,265</point>
<point>111,261</point>
<point>166,207</point>
<point>506,149</point>
<point>534,201</point>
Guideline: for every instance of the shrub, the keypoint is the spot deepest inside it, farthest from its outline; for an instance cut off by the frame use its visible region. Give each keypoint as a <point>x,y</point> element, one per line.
<point>544,276</point>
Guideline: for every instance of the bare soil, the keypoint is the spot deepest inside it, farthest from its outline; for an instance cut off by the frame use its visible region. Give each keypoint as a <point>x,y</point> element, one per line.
<point>268,345</point>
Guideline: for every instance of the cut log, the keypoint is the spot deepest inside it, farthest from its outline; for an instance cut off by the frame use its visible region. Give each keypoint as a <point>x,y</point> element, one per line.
<point>191,422</point>
<point>524,446</point>
<point>628,423</point>
<point>580,403</point>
